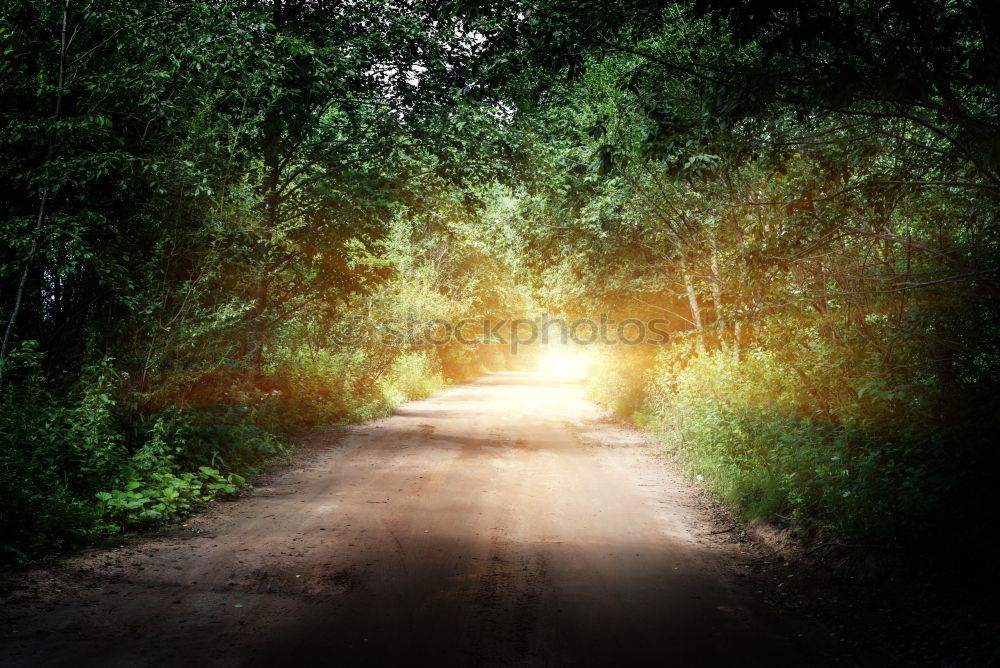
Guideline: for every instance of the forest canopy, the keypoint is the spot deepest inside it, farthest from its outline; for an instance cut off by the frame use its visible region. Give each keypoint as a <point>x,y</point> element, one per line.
<point>198,199</point>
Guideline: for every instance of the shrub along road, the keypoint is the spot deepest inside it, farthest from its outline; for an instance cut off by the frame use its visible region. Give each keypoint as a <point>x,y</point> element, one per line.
<point>505,522</point>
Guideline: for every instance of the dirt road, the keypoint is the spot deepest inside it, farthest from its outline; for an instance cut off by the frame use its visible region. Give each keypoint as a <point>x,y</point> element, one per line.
<point>505,522</point>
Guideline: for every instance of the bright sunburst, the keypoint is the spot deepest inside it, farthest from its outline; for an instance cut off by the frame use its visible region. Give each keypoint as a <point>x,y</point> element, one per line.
<point>563,363</point>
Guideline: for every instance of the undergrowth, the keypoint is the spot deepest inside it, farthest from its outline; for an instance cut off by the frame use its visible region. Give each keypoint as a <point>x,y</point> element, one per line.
<point>854,464</point>
<point>72,471</point>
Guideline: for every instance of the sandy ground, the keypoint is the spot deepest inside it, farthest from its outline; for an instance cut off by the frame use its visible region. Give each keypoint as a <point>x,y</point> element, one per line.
<point>508,522</point>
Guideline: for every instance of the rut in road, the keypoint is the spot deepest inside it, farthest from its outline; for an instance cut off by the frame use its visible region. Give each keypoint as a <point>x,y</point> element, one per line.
<point>504,522</point>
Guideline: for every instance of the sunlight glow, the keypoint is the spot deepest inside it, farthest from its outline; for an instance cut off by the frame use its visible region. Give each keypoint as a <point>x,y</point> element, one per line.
<point>564,364</point>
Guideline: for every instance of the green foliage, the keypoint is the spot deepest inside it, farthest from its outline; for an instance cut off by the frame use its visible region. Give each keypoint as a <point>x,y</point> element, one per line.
<point>157,488</point>
<point>58,463</point>
<point>747,427</point>
<point>617,382</point>
<point>411,377</point>
<point>50,457</point>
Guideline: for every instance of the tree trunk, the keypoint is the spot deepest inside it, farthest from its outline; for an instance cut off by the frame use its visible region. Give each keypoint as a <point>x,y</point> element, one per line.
<point>737,332</point>
<point>693,303</point>
<point>720,321</point>
<point>258,331</point>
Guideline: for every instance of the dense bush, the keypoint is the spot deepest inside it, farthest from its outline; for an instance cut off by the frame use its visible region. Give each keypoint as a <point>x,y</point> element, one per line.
<point>618,382</point>
<point>814,436</point>
<point>749,428</point>
<point>71,471</point>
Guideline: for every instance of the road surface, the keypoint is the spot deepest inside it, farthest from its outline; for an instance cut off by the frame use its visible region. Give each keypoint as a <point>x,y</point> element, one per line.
<point>507,522</point>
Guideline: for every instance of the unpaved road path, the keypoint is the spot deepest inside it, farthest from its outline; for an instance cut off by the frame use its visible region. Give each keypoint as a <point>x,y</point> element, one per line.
<point>504,522</point>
